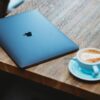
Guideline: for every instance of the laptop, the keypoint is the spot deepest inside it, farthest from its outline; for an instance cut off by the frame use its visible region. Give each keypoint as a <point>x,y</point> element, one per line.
<point>29,39</point>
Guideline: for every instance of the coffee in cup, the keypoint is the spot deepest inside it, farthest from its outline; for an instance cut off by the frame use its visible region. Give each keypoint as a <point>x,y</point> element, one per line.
<point>89,60</point>
<point>90,56</point>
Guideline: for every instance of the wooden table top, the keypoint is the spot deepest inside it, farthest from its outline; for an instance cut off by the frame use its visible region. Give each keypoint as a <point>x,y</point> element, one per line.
<point>80,21</point>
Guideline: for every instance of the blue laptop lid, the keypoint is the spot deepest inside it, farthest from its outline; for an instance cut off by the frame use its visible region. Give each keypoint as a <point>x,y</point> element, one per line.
<point>29,38</point>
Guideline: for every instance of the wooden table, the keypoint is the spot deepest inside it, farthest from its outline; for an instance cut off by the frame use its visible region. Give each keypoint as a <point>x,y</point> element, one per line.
<point>79,20</point>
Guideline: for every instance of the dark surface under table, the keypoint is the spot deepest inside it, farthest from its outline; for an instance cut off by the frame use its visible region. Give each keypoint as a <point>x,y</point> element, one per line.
<point>16,88</point>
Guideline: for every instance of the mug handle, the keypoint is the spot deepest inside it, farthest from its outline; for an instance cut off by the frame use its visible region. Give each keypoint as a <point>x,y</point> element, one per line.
<point>75,59</point>
<point>95,70</point>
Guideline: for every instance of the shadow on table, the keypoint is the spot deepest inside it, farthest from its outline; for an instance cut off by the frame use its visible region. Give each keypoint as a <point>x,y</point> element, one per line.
<point>15,88</point>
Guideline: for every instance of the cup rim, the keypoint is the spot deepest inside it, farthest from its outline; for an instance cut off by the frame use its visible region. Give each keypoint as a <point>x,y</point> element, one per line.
<point>81,50</point>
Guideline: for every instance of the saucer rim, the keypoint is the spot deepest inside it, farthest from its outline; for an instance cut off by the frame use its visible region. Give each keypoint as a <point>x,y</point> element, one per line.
<point>79,77</point>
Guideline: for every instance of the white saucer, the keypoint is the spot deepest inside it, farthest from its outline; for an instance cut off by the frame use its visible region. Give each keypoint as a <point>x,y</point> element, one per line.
<point>75,70</point>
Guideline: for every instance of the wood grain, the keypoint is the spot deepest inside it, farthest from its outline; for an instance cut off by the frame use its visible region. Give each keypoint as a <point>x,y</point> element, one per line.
<point>80,21</point>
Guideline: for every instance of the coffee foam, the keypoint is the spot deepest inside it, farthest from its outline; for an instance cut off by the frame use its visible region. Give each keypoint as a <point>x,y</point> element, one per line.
<point>90,56</point>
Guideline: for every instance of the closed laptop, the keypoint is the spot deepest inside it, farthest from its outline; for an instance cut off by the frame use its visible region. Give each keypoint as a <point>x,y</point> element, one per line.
<point>29,38</point>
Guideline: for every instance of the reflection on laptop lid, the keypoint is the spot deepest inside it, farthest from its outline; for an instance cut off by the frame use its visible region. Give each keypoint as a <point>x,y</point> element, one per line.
<point>29,38</point>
